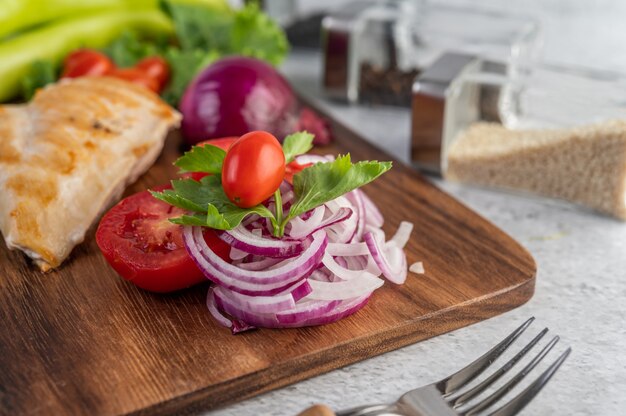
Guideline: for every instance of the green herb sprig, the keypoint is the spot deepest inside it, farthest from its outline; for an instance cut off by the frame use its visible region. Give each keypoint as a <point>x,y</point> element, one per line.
<point>313,186</point>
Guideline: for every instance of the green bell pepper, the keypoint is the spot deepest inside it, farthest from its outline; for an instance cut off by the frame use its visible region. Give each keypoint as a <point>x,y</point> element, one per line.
<point>19,15</point>
<point>53,42</point>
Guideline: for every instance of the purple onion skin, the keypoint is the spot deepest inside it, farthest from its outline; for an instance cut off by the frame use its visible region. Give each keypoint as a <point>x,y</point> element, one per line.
<point>234,96</point>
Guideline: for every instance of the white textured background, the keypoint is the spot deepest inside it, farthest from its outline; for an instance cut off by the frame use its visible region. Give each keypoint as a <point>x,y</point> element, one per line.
<point>581,257</point>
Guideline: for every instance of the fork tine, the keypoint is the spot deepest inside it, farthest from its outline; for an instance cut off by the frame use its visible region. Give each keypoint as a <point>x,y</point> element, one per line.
<point>491,399</point>
<point>467,374</point>
<point>521,400</point>
<point>476,390</point>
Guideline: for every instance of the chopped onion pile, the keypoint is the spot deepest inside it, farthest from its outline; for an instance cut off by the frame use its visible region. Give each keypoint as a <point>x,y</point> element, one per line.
<point>325,268</point>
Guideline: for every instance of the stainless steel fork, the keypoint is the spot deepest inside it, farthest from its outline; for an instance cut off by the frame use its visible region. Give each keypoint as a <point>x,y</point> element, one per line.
<point>448,397</point>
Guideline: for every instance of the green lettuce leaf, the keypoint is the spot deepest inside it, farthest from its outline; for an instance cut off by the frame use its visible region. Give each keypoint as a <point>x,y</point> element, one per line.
<point>255,34</point>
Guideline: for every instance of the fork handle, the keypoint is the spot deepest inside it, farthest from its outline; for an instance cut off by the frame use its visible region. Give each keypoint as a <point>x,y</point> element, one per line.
<point>317,410</point>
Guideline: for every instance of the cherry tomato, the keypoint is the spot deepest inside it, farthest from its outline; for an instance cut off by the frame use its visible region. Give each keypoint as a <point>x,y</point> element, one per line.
<point>136,76</point>
<point>293,168</point>
<point>83,62</point>
<point>156,68</point>
<point>146,249</point>
<point>253,169</point>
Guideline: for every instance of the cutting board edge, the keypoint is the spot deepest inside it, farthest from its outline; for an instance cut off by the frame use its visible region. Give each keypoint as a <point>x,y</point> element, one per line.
<point>293,371</point>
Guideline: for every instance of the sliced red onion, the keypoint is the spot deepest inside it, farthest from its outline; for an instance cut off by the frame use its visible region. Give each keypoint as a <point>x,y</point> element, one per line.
<point>304,159</point>
<point>266,263</point>
<point>285,187</point>
<point>262,282</point>
<point>389,258</point>
<point>341,272</point>
<point>235,325</point>
<point>250,219</point>
<point>372,267</point>
<point>258,304</point>
<point>402,235</point>
<point>417,268</point>
<point>360,286</point>
<point>373,216</point>
<point>345,308</point>
<point>236,254</point>
<point>344,231</point>
<point>326,267</point>
<point>305,310</point>
<point>217,315</point>
<point>356,262</point>
<point>248,241</point>
<point>287,197</point>
<point>306,222</point>
<point>357,201</point>
<point>306,228</point>
<point>352,249</point>
<point>256,319</point>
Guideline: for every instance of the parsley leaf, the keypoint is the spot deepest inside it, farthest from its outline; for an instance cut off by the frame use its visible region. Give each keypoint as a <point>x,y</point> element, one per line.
<point>206,158</point>
<point>324,182</point>
<point>297,144</point>
<point>172,198</point>
<point>209,202</point>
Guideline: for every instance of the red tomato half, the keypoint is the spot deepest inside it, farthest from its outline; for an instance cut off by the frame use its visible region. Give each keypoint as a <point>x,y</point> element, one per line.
<point>136,76</point>
<point>253,169</point>
<point>156,68</point>
<point>146,249</point>
<point>84,62</point>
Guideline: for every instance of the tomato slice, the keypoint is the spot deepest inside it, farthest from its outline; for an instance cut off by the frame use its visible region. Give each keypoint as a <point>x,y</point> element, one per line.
<point>146,249</point>
<point>293,168</point>
<point>136,76</point>
<point>84,62</point>
<point>155,67</point>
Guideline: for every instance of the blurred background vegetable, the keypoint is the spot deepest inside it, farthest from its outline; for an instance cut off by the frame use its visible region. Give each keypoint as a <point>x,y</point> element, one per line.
<point>53,42</point>
<point>204,35</point>
<point>15,16</point>
<point>239,94</point>
<point>188,34</point>
<point>234,96</point>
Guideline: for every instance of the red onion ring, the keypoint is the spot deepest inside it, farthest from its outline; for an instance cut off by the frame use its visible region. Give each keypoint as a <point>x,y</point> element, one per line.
<point>389,258</point>
<point>253,282</point>
<point>303,229</point>
<point>244,240</point>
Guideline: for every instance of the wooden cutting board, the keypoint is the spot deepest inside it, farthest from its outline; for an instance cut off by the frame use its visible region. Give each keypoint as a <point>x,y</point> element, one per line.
<point>83,341</point>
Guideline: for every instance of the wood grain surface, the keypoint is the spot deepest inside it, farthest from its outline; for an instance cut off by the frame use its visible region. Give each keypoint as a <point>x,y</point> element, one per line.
<point>81,340</point>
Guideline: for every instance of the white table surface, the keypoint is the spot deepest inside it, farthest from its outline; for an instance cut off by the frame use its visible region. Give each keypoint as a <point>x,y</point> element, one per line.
<point>580,293</point>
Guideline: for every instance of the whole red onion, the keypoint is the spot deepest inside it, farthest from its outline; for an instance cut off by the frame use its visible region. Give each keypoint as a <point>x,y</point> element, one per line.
<point>236,95</point>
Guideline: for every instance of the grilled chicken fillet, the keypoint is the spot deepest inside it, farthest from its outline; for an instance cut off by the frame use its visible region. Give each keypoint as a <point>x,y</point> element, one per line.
<point>68,154</point>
